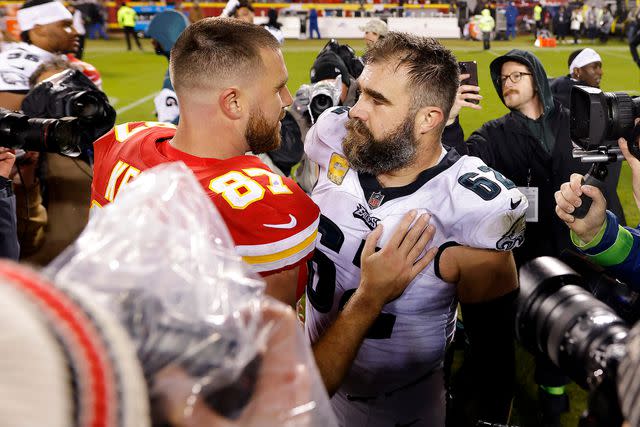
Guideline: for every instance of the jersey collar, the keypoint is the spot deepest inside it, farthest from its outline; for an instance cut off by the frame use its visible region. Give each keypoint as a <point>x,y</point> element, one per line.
<point>371,186</point>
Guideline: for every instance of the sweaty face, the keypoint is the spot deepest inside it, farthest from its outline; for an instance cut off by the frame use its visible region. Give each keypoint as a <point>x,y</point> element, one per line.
<point>517,95</point>
<point>261,135</point>
<point>395,150</point>
<point>591,74</point>
<point>61,36</point>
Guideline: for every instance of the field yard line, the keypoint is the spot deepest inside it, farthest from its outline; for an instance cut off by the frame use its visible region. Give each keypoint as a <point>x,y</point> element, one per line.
<point>134,104</point>
<point>620,55</point>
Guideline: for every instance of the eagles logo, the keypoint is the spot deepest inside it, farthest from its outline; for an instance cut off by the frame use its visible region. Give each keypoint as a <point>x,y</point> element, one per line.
<point>363,214</point>
<point>338,168</point>
<point>514,237</point>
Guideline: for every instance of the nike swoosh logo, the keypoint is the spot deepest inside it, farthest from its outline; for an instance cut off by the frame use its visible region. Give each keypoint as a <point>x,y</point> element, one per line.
<point>289,224</point>
<point>515,205</point>
<point>19,68</point>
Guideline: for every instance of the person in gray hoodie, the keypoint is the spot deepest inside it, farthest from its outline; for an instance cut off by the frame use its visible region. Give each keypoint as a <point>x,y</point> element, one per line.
<point>531,146</point>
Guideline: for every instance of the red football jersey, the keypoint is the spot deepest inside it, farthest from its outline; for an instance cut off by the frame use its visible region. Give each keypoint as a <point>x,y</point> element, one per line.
<point>271,220</point>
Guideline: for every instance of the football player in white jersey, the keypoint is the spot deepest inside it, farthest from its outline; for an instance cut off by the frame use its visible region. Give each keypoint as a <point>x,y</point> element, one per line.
<point>378,161</point>
<point>47,33</point>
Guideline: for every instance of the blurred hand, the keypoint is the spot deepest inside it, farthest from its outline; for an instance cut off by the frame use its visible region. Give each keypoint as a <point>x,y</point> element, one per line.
<point>28,165</point>
<point>568,199</point>
<point>7,159</point>
<point>465,92</point>
<point>386,274</point>
<point>284,384</point>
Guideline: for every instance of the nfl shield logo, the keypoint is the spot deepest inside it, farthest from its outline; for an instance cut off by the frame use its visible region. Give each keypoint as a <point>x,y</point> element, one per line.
<point>375,200</point>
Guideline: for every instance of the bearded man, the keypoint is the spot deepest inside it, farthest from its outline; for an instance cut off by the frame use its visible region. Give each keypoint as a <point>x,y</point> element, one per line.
<point>378,161</point>
<point>230,80</point>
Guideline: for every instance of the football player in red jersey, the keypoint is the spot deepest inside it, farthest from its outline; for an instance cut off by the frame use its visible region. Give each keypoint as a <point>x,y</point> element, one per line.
<point>230,79</point>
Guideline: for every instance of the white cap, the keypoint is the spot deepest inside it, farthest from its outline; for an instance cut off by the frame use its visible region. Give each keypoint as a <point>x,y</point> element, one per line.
<point>42,14</point>
<point>586,57</point>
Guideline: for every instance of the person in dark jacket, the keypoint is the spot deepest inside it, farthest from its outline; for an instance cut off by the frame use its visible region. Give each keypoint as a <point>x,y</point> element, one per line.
<point>531,146</point>
<point>561,22</point>
<point>585,68</point>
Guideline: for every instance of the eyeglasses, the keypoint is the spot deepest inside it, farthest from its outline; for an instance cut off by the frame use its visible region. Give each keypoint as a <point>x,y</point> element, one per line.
<point>515,77</point>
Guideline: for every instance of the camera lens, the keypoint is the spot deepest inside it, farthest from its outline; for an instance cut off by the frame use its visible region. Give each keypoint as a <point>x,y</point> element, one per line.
<point>320,103</point>
<point>85,106</point>
<point>558,317</point>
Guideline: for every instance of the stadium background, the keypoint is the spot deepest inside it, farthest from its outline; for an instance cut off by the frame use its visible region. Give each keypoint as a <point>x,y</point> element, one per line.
<point>131,80</point>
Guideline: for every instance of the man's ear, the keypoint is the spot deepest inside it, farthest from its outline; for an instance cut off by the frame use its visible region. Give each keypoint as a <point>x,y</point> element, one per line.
<point>230,103</point>
<point>429,118</point>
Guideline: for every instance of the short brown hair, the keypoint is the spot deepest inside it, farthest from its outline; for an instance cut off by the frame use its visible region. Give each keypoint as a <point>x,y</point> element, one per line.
<point>433,70</point>
<point>212,49</point>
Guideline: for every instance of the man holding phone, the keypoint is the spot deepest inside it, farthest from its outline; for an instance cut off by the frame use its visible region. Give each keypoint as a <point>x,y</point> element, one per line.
<point>531,146</point>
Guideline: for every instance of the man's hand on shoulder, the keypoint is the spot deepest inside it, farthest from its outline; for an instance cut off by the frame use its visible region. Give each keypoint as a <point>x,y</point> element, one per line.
<point>568,199</point>
<point>387,272</point>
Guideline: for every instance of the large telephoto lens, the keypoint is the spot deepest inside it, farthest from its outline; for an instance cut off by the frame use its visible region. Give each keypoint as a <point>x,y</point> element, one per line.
<point>558,317</point>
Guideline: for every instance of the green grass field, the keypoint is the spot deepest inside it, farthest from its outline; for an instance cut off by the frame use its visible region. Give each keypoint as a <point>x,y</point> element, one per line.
<point>132,78</point>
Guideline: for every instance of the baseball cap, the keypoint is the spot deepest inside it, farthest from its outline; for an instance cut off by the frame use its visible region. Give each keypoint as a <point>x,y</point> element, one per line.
<point>377,26</point>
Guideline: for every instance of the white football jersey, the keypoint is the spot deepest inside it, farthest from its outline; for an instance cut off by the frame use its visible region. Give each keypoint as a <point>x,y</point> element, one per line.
<point>18,63</point>
<point>470,204</point>
<point>166,103</point>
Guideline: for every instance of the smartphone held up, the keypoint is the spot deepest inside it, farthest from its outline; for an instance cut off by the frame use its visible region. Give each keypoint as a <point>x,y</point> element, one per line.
<point>470,68</point>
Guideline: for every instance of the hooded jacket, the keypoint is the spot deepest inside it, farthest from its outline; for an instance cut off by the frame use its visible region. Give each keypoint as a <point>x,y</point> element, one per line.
<point>487,23</point>
<point>533,153</point>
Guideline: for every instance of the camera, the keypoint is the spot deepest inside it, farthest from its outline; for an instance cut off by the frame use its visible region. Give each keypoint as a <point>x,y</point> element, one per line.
<point>318,97</point>
<point>597,116</point>
<point>64,136</point>
<point>71,94</point>
<point>597,119</point>
<point>557,316</point>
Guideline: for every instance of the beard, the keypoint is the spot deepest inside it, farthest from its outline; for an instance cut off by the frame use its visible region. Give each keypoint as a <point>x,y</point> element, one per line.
<point>396,150</point>
<point>261,136</point>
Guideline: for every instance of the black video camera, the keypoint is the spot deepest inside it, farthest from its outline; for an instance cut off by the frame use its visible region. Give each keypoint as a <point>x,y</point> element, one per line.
<point>68,94</point>
<point>558,316</point>
<point>597,120</point>
<point>599,117</point>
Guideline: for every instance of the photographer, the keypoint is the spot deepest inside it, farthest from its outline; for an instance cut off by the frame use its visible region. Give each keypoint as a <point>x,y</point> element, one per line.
<point>333,82</point>
<point>531,146</point>
<point>599,235</point>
